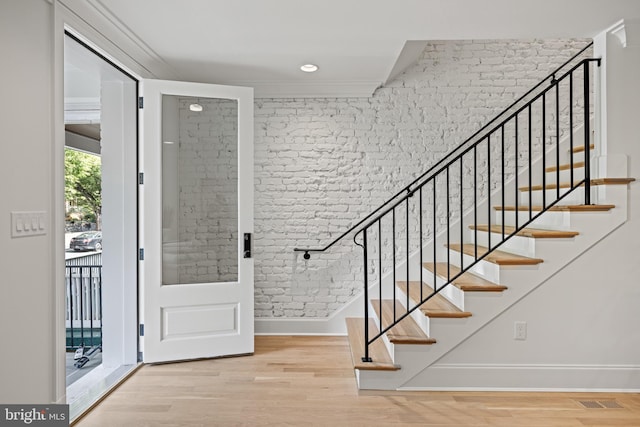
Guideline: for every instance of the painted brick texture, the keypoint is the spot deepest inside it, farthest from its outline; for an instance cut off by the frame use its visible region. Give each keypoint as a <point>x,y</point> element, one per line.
<point>323,164</point>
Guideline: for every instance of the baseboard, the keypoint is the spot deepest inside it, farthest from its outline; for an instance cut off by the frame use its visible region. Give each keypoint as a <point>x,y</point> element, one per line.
<point>552,378</point>
<point>332,325</point>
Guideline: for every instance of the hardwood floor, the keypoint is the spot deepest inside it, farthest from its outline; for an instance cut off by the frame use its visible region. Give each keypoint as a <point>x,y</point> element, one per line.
<point>298,381</point>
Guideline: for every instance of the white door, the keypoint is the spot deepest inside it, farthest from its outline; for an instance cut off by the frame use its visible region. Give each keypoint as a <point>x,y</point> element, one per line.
<point>196,220</point>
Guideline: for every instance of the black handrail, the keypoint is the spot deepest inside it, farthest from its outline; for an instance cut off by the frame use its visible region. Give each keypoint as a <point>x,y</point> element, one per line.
<point>407,188</point>
<point>443,169</point>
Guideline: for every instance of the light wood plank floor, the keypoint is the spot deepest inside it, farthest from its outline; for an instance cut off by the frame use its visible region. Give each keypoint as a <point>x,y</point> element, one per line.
<point>297,381</point>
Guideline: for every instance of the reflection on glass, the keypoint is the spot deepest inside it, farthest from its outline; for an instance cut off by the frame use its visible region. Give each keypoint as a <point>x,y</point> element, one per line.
<point>199,190</point>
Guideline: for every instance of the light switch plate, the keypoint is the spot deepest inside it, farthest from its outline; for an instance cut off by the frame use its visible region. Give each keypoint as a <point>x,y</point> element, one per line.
<point>28,223</point>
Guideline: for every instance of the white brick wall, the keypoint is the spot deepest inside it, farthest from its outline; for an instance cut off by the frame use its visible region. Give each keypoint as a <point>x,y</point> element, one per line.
<point>322,164</point>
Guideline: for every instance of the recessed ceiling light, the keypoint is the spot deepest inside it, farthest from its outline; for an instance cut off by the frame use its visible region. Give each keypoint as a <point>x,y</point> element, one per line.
<point>195,107</point>
<point>309,68</point>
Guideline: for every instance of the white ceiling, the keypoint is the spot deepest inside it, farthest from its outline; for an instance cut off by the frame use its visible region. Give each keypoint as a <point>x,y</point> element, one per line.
<point>356,43</point>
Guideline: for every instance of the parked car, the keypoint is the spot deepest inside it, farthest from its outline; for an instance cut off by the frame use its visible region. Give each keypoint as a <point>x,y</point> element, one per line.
<point>89,241</point>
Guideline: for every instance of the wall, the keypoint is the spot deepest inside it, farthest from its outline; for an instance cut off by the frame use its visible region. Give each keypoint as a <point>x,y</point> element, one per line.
<point>322,164</point>
<point>27,286</point>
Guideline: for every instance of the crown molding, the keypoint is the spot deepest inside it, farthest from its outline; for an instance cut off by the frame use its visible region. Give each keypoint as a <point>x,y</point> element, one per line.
<point>328,89</point>
<point>94,23</point>
<point>620,32</point>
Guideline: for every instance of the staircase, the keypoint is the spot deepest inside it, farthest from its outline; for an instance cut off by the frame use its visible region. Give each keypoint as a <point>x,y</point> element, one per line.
<point>402,356</point>
<point>484,227</point>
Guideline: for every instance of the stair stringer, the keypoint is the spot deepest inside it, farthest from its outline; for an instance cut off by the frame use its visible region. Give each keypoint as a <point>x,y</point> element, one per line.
<point>449,333</point>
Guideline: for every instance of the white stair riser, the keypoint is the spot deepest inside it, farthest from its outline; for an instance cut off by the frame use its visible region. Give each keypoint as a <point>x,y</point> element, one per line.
<point>552,220</point>
<point>576,197</point>
<point>452,293</point>
<point>417,315</point>
<point>485,269</point>
<point>565,176</point>
<point>518,245</point>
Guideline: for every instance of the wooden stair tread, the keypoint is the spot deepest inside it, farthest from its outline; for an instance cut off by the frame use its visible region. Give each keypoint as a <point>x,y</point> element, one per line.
<point>405,332</point>
<point>597,181</point>
<point>436,306</point>
<point>377,351</point>
<point>565,167</point>
<point>580,148</point>
<point>468,282</point>
<point>560,208</point>
<point>495,257</point>
<point>535,233</point>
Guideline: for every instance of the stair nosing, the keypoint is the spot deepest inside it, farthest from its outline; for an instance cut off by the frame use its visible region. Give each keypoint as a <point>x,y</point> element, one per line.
<point>511,259</point>
<point>594,182</point>
<point>489,287</point>
<point>581,148</point>
<point>377,347</point>
<point>451,312</point>
<point>559,208</point>
<point>565,166</point>
<point>394,335</point>
<point>532,233</point>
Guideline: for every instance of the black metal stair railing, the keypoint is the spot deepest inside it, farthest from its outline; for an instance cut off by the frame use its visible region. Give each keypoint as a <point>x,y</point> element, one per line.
<point>407,189</point>
<point>497,159</point>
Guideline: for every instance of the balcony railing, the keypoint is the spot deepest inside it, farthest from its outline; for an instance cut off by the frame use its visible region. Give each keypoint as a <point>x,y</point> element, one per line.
<point>84,306</point>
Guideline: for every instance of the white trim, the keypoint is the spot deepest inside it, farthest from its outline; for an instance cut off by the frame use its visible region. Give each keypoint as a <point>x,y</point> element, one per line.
<point>620,32</point>
<point>334,325</point>
<point>328,89</point>
<point>532,377</point>
<point>75,23</point>
<point>528,390</point>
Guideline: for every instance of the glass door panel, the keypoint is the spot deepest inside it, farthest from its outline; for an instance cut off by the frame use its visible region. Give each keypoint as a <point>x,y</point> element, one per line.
<point>199,190</point>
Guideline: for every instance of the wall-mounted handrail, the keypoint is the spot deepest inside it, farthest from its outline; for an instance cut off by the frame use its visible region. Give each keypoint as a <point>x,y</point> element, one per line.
<point>407,190</point>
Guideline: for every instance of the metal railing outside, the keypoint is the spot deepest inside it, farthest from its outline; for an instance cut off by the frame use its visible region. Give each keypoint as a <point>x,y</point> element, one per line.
<point>84,306</point>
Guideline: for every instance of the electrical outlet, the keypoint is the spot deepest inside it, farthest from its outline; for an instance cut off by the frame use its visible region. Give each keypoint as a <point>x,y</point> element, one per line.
<point>520,331</point>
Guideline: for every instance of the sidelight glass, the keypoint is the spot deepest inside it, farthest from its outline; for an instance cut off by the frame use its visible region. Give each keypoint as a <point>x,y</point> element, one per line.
<point>199,190</point>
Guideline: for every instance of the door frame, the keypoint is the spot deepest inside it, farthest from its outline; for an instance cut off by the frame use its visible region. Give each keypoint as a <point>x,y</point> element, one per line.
<point>66,22</point>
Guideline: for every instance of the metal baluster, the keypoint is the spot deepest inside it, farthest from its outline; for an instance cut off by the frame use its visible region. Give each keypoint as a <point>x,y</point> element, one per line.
<point>91,302</point>
<point>475,203</point>
<point>435,234</point>
<point>71,304</point>
<point>571,126</point>
<point>366,357</point>
<point>503,187</point>
<point>420,245</point>
<point>516,177</point>
<point>380,259</point>
<point>587,132</point>
<point>461,213</point>
<point>448,234</point>
<point>530,168</point>
<point>489,191</point>
<point>407,254</point>
<point>544,150</point>
<point>557,141</point>
<point>393,248</point>
<point>81,306</point>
